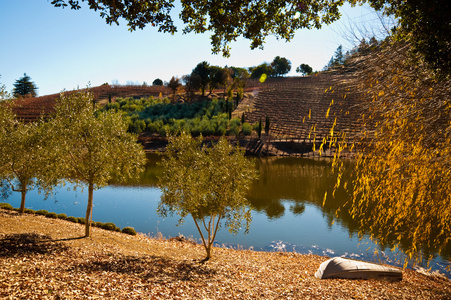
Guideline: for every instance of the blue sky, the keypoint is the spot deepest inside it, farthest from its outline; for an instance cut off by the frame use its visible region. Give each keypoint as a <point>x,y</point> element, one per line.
<point>65,49</point>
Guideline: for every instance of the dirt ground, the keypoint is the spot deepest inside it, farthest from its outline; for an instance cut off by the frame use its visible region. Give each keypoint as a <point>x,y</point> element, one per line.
<point>43,258</point>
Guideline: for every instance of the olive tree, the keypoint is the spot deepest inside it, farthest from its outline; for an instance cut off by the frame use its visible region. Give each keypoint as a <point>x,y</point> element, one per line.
<point>209,184</point>
<point>4,95</point>
<point>25,158</point>
<point>93,146</point>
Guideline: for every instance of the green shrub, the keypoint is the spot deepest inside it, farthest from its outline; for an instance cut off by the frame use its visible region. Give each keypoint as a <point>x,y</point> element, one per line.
<point>29,211</point>
<point>42,212</point>
<point>51,215</point>
<point>247,129</point>
<point>234,126</point>
<point>6,206</point>
<point>62,216</point>
<point>109,226</point>
<point>129,230</point>
<point>72,219</point>
<point>163,130</point>
<point>81,220</point>
<point>255,127</point>
<point>16,209</point>
<point>99,224</point>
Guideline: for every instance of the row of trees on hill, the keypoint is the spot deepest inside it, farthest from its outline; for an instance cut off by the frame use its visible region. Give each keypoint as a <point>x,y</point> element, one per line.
<point>340,59</point>
<point>278,67</point>
<point>207,78</point>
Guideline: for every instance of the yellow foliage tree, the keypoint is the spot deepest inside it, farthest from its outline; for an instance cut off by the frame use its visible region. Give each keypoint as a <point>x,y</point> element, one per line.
<point>402,189</point>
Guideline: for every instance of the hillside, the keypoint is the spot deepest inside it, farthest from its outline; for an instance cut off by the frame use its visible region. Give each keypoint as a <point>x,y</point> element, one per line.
<point>29,109</point>
<point>302,111</point>
<point>289,102</point>
<point>43,258</point>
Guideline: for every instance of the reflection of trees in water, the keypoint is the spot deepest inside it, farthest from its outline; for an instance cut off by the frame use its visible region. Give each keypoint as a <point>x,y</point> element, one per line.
<point>149,178</point>
<point>298,181</point>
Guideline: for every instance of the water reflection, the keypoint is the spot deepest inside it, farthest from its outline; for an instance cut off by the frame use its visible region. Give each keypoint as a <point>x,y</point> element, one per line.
<point>287,185</point>
<point>287,200</point>
<point>296,180</point>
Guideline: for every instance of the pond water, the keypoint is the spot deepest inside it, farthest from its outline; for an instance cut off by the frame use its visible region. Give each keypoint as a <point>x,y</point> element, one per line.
<point>287,215</point>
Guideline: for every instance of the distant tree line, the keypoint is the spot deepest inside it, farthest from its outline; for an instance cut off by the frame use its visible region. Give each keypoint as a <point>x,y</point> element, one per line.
<point>340,59</point>
<point>280,66</point>
<point>206,78</point>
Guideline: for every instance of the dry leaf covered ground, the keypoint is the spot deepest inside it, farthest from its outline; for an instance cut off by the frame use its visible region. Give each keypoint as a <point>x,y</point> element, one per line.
<point>44,258</point>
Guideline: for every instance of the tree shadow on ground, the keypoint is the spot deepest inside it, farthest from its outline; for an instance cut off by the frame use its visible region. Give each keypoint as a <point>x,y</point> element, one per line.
<point>28,243</point>
<point>149,268</point>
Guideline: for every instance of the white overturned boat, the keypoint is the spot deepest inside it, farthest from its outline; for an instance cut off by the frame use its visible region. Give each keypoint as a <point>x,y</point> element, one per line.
<point>339,267</point>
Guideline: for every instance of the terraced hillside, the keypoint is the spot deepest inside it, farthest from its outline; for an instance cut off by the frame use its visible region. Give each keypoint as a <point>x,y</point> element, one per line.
<point>298,106</point>
<point>30,109</point>
<point>304,109</point>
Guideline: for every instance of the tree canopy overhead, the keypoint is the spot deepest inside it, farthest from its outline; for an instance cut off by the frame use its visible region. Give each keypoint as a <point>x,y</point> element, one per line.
<point>226,20</point>
<point>426,25</point>
<point>422,22</point>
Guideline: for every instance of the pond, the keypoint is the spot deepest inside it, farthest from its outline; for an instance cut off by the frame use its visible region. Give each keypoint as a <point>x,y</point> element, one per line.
<point>288,212</point>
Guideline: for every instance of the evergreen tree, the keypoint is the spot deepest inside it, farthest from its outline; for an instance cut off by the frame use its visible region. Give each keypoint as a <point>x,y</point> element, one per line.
<point>157,81</point>
<point>280,66</point>
<point>267,124</point>
<point>259,128</point>
<point>304,69</point>
<point>203,71</point>
<point>24,86</point>
<point>339,57</point>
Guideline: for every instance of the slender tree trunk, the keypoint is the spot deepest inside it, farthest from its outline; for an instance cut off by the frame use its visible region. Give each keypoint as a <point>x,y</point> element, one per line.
<point>88,210</point>
<point>208,250</point>
<point>22,201</point>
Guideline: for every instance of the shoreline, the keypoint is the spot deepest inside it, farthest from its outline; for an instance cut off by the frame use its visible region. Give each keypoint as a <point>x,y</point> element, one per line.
<point>49,259</point>
<point>253,146</point>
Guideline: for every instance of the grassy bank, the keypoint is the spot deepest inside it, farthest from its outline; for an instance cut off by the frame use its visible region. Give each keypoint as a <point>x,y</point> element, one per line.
<point>42,258</point>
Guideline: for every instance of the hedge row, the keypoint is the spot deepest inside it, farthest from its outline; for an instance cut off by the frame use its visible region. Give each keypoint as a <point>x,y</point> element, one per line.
<point>107,226</point>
